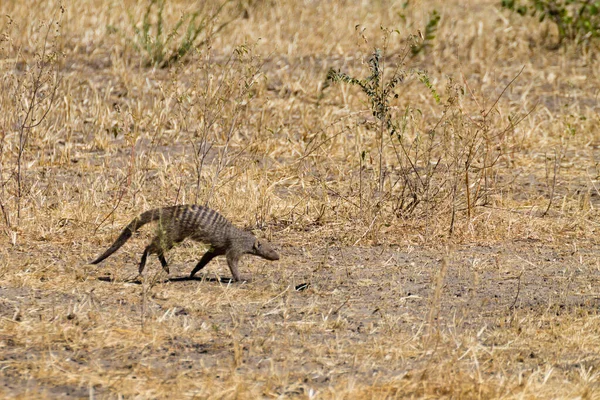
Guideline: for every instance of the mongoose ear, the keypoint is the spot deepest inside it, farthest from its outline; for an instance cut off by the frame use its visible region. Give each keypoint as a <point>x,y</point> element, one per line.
<point>257,245</point>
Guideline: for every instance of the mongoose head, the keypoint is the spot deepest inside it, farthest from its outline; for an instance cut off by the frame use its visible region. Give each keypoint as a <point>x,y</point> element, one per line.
<point>264,249</point>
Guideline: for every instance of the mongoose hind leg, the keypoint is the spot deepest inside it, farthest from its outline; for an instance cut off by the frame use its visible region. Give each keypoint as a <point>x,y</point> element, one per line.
<point>143,260</point>
<point>163,262</point>
<point>158,247</point>
<point>206,258</point>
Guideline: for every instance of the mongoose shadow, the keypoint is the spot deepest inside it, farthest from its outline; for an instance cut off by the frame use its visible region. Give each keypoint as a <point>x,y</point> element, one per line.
<point>198,223</point>
<point>204,278</point>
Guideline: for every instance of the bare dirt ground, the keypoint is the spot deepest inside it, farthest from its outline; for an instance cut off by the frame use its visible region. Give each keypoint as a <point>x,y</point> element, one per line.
<point>456,257</point>
<point>357,325</point>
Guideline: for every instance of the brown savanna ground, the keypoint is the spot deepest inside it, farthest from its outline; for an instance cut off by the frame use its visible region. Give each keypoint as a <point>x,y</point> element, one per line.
<point>466,266</point>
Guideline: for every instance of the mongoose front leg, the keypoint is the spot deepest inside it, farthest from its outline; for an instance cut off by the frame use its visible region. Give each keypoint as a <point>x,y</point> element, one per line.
<point>232,261</point>
<point>206,258</point>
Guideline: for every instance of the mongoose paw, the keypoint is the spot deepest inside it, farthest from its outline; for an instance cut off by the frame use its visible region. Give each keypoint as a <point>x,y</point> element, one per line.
<point>240,279</point>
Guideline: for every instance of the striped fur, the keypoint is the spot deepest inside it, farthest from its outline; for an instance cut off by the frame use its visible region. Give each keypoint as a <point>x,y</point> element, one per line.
<point>201,224</point>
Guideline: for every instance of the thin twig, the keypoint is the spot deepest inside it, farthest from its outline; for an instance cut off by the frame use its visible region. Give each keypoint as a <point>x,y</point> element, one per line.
<point>123,189</point>
<point>501,94</point>
<point>518,278</point>
<point>556,165</point>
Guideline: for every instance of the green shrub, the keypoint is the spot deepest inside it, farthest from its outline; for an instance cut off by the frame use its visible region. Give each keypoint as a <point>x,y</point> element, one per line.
<point>430,31</point>
<point>576,20</point>
<point>163,49</point>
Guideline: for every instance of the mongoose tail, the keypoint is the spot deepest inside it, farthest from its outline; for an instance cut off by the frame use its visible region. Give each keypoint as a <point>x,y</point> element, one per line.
<point>133,226</point>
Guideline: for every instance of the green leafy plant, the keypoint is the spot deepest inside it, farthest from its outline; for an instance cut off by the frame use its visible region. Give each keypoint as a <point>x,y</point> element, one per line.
<point>427,37</point>
<point>380,90</point>
<point>379,94</point>
<point>424,39</point>
<point>165,46</point>
<point>575,20</point>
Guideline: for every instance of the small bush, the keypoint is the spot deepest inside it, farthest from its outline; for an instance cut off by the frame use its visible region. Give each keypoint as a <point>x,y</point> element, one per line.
<point>164,49</point>
<point>446,169</point>
<point>28,93</point>
<point>427,37</point>
<point>423,41</point>
<point>576,20</point>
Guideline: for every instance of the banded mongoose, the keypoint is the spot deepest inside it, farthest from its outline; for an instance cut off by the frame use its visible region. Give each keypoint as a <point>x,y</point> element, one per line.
<point>199,223</point>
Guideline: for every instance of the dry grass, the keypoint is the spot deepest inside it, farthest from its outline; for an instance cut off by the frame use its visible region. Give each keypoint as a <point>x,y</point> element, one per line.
<point>398,306</point>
